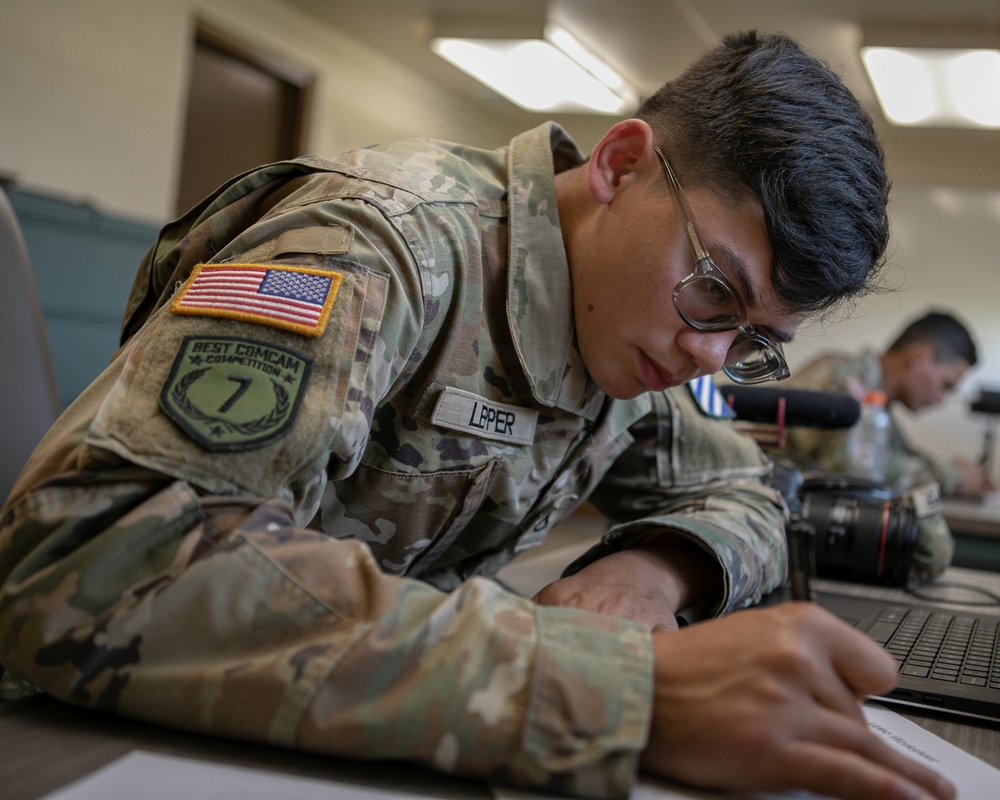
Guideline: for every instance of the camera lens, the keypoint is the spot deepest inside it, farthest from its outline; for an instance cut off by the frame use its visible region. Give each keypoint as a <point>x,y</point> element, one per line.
<point>864,539</point>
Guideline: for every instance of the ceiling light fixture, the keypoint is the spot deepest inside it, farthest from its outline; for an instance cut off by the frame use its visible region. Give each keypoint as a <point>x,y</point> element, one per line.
<point>940,75</point>
<point>936,86</point>
<point>552,74</point>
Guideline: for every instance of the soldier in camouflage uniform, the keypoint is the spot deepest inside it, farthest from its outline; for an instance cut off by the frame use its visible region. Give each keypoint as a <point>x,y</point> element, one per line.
<point>351,389</point>
<point>922,365</point>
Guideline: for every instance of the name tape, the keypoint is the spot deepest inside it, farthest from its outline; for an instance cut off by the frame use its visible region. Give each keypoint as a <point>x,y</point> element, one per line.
<point>470,413</point>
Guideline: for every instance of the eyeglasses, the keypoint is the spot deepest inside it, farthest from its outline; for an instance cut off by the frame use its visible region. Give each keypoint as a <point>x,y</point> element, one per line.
<point>707,302</point>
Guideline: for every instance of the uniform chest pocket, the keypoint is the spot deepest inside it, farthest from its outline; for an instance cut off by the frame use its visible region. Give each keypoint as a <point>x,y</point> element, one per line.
<point>572,485</point>
<point>407,520</point>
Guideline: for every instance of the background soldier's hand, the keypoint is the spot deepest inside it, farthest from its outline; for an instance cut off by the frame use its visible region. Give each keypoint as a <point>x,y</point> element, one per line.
<point>770,699</point>
<point>975,480</point>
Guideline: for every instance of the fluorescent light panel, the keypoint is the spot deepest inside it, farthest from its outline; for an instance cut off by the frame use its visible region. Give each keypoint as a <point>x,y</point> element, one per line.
<point>936,86</point>
<point>557,74</point>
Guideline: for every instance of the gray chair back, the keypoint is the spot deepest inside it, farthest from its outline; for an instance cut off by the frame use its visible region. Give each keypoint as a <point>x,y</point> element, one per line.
<point>29,398</point>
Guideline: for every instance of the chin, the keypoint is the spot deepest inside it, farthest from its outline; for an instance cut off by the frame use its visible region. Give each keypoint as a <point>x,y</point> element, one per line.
<point>622,392</point>
<point>617,384</point>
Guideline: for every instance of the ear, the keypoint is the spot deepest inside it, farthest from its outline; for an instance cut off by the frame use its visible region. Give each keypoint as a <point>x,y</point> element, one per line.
<point>625,149</point>
<point>920,354</point>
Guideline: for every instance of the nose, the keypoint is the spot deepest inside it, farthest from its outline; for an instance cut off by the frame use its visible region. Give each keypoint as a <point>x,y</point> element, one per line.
<point>708,350</point>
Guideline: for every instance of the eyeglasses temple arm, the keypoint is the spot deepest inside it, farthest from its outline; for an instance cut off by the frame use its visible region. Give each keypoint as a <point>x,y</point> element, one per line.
<point>699,251</point>
<point>692,232</point>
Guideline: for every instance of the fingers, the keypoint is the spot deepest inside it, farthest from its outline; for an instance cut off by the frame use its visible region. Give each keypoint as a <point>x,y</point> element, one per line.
<point>876,773</point>
<point>771,699</point>
<point>846,757</point>
<point>879,769</point>
<point>857,662</point>
<point>836,664</point>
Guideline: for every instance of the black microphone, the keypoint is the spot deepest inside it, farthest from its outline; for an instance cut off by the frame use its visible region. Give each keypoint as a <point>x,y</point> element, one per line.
<point>803,407</point>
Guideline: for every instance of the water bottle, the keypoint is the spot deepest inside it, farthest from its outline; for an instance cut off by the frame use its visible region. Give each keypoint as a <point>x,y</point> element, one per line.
<point>868,442</point>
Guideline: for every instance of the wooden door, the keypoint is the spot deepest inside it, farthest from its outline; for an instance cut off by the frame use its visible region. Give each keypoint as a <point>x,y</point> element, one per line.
<point>245,108</point>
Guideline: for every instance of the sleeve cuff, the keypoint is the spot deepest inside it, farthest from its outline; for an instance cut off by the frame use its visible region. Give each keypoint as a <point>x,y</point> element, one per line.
<point>590,705</point>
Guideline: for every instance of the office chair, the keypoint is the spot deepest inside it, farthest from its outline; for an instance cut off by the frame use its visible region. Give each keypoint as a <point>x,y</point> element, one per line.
<point>29,399</point>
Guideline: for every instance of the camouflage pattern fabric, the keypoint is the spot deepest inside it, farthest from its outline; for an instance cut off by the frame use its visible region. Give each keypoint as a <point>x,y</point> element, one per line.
<point>283,531</point>
<point>905,469</point>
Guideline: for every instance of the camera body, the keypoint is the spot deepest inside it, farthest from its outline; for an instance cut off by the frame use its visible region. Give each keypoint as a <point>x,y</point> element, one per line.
<point>855,529</point>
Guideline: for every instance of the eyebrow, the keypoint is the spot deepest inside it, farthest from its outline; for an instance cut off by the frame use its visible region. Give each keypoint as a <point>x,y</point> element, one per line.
<point>737,273</point>
<point>736,264</point>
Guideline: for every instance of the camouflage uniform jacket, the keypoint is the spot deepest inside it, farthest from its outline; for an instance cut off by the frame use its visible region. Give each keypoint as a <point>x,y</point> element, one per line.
<point>272,516</point>
<point>906,469</point>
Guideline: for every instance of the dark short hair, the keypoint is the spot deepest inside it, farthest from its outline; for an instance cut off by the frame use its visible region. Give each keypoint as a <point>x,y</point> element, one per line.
<point>950,339</point>
<point>759,115</point>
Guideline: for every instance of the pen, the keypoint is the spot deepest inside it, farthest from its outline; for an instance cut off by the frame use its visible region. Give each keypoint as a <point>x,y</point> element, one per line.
<point>801,564</point>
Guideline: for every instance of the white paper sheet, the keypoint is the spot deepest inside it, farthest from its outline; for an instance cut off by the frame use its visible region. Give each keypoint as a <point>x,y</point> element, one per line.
<point>974,778</point>
<point>151,776</point>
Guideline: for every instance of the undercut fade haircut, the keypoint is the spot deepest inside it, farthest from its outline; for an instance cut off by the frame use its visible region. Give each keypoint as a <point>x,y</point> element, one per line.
<point>759,116</point>
<point>950,339</point>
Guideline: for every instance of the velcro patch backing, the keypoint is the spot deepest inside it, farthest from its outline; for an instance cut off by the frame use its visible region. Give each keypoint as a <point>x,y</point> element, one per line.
<point>296,299</point>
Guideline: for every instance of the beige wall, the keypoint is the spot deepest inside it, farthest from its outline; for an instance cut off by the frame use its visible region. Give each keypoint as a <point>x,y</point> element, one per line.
<point>93,96</point>
<point>94,93</point>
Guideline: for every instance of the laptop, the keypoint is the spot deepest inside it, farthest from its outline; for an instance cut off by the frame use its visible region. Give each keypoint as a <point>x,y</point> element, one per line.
<point>949,660</point>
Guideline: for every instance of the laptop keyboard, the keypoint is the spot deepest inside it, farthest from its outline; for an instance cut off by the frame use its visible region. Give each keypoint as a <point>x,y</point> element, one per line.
<point>940,645</point>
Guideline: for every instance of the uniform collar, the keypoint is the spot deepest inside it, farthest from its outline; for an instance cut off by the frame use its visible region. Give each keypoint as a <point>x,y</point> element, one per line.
<point>539,293</point>
<point>871,369</point>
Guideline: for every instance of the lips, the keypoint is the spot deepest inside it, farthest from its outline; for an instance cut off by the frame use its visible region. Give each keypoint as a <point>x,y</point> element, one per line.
<point>655,378</point>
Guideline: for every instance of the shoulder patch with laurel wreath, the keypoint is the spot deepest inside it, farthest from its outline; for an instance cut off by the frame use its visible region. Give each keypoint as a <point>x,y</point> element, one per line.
<point>231,394</point>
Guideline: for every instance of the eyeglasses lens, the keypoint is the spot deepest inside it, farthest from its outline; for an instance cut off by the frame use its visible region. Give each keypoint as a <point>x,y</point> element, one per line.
<point>752,360</point>
<point>708,304</point>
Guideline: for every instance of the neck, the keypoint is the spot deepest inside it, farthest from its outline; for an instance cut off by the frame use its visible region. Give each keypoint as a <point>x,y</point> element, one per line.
<point>571,199</point>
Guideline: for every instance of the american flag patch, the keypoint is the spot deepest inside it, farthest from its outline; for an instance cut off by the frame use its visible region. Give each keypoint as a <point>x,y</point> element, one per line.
<point>296,299</point>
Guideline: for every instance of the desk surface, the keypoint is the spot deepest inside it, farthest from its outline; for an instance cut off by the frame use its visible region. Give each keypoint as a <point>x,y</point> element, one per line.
<point>47,744</point>
<point>979,518</point>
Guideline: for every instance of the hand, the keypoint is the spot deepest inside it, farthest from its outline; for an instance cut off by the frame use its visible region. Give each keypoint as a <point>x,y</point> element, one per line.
<point>975,482</point>
<point>770,700</point>
<point>647,584</point>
